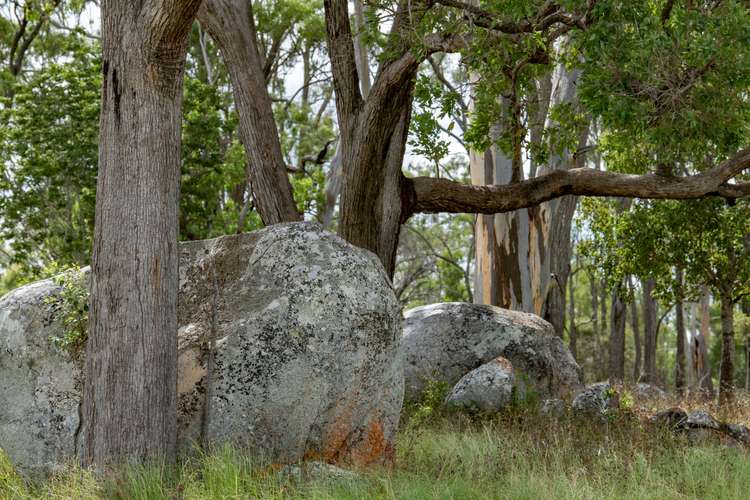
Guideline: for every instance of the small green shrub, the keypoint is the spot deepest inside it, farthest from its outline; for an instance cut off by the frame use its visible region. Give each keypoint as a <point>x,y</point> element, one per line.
<point>72,303</point>
<point>430,405</point>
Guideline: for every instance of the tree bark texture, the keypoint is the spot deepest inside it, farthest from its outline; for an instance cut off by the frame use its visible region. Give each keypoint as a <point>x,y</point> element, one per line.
<point>523,257</point>
<point>572,328</point>
<point>726,378</point>
<point>650,326</point>
<point>373,137</point>
<point>679,366</point>
<point>230,24</point>
<point>635,326</point>
<point>129,403</point>
<point>617,337</point>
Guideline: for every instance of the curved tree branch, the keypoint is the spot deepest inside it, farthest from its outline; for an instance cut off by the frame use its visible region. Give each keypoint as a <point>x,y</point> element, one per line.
<point>431,195</point>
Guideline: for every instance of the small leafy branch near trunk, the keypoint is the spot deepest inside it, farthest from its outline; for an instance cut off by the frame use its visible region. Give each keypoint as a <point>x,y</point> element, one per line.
<point>72,305</point>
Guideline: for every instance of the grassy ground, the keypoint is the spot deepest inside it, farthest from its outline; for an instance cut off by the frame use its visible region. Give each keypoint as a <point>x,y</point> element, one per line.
<point>516,455</point>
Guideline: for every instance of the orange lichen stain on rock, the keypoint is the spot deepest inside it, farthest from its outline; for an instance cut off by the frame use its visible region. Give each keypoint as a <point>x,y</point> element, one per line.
<point>373,448</point>
<point>335,439</point>
<point>342,443</point>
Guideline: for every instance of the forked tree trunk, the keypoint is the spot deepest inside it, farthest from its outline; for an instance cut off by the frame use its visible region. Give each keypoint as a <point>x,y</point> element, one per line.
<point>617,337</point>
<point>679,366</point>
<point>230,24</point>
<point>130,395</point>
<point>650,326</point>
<point>375,201</point>
<point>726,379</point>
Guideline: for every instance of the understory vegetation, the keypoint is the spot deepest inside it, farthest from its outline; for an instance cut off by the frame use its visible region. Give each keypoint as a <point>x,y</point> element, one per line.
<point>517,454</point>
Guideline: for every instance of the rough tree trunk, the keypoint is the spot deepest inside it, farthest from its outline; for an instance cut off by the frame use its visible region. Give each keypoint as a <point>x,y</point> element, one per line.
<point>374,130</point>
<point>679,366</point>
<point>130,395</point>
<point>617,337</point>
<point>650,326</point>
<point>726,379</point>
<point>572,329</point>
<point>230,24</point>
<point>703,343</point>
<point>634,325</point>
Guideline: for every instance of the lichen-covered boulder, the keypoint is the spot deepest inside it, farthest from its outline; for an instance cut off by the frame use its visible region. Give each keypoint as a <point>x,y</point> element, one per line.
<point>596,401</point>
<point>305,349</point>
<point>40,384</point>
<point>488,388</point>
<point>307,359</point>
<point>443,342</point>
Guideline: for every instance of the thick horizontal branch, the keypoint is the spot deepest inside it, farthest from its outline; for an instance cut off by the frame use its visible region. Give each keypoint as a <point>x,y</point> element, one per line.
<point>432,195</point>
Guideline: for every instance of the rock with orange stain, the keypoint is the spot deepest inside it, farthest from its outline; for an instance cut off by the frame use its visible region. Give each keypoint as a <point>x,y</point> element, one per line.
<point>305,348</point>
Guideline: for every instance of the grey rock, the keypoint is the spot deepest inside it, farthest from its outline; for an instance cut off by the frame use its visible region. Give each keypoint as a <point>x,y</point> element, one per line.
<point>307,361</point>
<point>643,391</point>
<point>739,432</point>
<point>488,388</point>
<point>307,356</point>
<point>40,385</point>
<point>596,401</point>
<point>673,418</point>
<point>701,419</point>
<point>554,408</point>
<point>443,342</point>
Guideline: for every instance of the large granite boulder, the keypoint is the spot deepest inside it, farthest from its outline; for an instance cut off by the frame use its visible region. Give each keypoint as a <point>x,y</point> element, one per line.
<point>306,354</point>
<point>488,388</point>
<point>40,383</point>
<point>443,342</point>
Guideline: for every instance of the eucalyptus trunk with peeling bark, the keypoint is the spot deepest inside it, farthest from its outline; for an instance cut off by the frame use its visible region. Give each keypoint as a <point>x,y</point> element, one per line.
<point>523,257</point>
<point>130,395</point>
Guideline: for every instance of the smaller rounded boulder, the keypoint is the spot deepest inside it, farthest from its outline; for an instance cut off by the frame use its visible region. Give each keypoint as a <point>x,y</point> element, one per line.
<point>488,388</point>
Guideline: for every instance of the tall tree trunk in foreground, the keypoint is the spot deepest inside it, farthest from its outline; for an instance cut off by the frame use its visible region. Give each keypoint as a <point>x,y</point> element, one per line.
<point>130,396</point>
<point>617,337</point>
<point>635,326</point>
<point>650,326</point>
<point>230,24</point>
<point>679,366</point>
<point>726,379</point>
